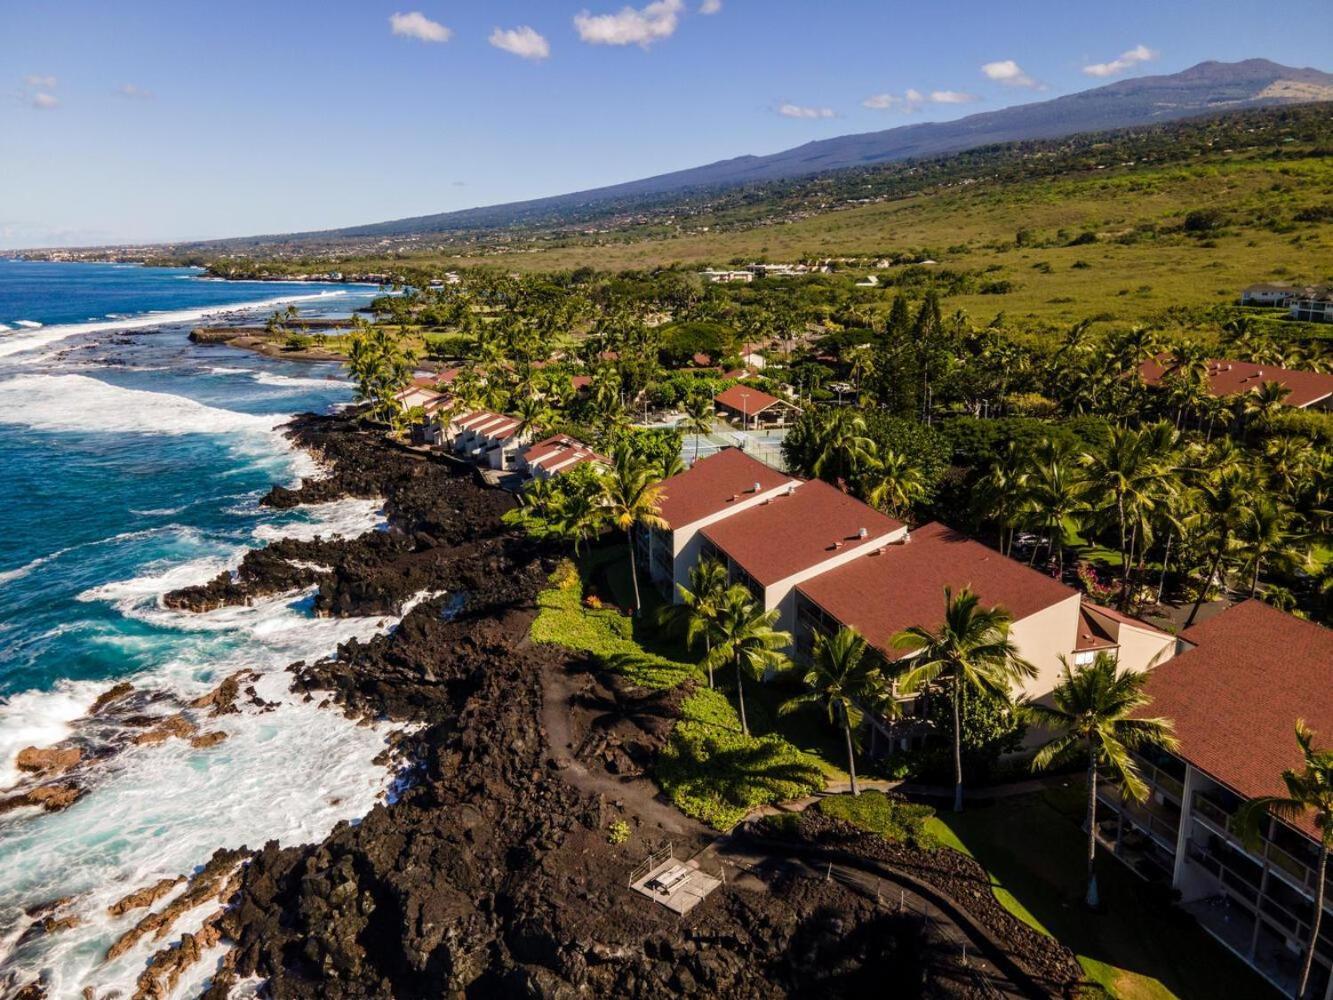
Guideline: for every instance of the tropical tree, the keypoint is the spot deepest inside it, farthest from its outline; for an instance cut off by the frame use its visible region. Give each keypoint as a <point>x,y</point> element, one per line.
<point>698,417</point>
<point>631,497</point>
<point>380,366</point>
<point>1054,490</point>
<point>845,682</point>
<point>1002,494</point>
<point>892,482</point>
<point>1093,714</point>
<point>1132,470</point>
<point>1309,794</point>
<point>1223,504</point>
<point>698,606</point>
<point>533,413</point>
<point>970,649</point>
<point>746,639</point>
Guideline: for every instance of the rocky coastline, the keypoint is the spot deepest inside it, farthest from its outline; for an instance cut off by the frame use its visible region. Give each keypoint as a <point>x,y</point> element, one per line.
<point>488,871</point>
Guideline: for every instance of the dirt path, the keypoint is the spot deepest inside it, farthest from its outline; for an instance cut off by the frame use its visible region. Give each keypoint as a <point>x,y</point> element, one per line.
<point>639,796</point>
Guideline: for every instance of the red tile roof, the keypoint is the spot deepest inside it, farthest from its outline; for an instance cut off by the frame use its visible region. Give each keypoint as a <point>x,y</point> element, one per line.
<point>1227,378</point>
<point>789,534</point>
<point>880,595</point>
<point>560,451</point>
<point>1236,697</point>
<point>713,484</point>
<point>747,400</point>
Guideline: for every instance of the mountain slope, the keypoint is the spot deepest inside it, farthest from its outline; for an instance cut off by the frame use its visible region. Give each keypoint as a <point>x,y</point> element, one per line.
<point>1207,87</point>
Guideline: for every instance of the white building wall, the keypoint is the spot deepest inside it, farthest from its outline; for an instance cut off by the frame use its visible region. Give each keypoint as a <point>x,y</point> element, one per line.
<point>1042,638</point>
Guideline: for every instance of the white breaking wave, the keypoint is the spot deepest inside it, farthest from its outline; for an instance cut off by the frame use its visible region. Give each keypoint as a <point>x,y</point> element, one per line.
<point>5,329</point>
<point>158,811</point>
<point>88,405</point>
<point>14,345</point>
<point>28,324</point>
<point>19,572</point>
<point>268,378</point>
<point>345,518</point>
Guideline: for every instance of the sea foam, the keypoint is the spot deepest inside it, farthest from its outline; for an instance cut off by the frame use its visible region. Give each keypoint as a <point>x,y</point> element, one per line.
<point>51,334</point>
<point>157,811</point>
<point>88,405</point>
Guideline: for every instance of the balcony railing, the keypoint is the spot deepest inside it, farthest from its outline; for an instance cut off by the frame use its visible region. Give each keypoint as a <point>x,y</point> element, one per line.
<point>1304,875</point>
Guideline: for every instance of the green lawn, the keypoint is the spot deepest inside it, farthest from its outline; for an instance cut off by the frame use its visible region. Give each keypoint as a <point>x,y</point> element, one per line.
<point>1139,948</point>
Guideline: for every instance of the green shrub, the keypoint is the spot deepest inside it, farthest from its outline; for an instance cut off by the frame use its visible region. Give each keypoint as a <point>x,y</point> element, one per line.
<point>891,818</point>
<point>617,832</point>
<point>715,773</point>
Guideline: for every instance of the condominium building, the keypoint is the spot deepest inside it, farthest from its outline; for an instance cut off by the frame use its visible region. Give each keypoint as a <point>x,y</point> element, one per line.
<point>1234,697</point>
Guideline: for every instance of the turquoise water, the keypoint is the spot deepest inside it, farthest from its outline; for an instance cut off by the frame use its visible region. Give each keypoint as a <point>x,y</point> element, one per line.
<point>132,463</point>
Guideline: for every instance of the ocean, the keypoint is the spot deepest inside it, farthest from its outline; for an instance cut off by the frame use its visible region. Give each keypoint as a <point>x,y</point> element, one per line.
<point>133,462</point>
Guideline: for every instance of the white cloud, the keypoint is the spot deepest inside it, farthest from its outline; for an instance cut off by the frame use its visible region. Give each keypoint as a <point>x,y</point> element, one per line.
<point>952,97</point>
<point>912,100</point>
<point>522,41</point>
<point>40,80</point>
<point>417,25</point>
<point>1009,73</point>
<point>800,111</point>
<point>710,6</point>
<point>1124,62</point>
<point>134,92</point>
<point>631,26</point>
<point>43,101</point>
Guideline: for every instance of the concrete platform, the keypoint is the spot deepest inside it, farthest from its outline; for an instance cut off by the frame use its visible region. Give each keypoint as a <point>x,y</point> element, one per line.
<point>680,886</point>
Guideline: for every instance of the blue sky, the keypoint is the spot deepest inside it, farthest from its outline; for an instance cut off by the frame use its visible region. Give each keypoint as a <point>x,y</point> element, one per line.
<point>157,120</point>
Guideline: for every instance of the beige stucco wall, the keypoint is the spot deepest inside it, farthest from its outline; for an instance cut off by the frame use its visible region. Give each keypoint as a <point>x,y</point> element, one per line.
<point>1044,637</point>
<point>1141,648</point>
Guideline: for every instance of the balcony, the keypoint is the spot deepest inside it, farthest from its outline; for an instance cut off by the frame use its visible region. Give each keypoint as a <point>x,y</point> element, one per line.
<point>1299,873</point>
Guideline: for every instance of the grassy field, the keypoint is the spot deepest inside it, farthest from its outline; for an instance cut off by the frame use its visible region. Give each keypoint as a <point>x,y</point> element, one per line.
<point>1139,948</point>
<point>1141,262</point>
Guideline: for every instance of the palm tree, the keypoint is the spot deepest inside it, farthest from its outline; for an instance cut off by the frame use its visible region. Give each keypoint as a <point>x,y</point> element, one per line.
<point>840,447</point>
<point>971,650</point>
<point>533,413</point>
<point>1224,504</point>
<point>1132,470</point>
<point>893,483</point>
<point>1055,488</point>
<point>1091,712</point>
<point>845,682</point>
<point>1309,790</point>
<point>747,640</point>
<point>1002,494</point>
<point>1267,534</point>
<point>631,497</point>
<point>697,606</point>
<point>698,418</point>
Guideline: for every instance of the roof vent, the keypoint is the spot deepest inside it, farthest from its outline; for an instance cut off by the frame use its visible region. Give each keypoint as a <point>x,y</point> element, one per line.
<point>863,533</point>
<point>907,537</point>
<point>754,488</point>
<point>791,488</point>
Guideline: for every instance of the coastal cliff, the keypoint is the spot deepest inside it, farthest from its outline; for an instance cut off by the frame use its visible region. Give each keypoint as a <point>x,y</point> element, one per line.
<point>490,872</point>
